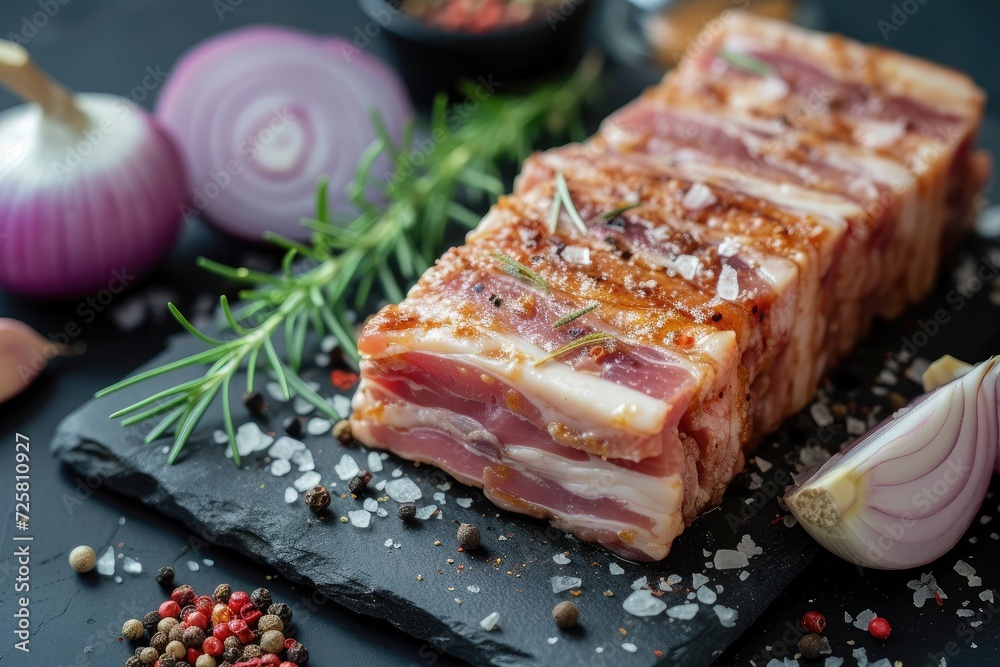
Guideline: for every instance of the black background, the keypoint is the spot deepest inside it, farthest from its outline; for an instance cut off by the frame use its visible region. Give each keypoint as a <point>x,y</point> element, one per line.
<point>106,46</point>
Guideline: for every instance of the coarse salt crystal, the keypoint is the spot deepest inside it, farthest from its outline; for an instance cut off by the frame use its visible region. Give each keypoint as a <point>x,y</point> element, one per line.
<point>683,612</point>
<point>318,426</point>
<point>728,559</point>
<point>821,414</point>
<point>380,484</point>
<point>403,490</point>
<point>273,390</point>
<point>374,462</point>
<point>762,465</point>
<point>864,618</point>
<point>561,559</point>
<point>630,647</point>
<point>643,603</point>
<point>302,407</point>
<point>360,518</point>
<point>744,575</point>
<point>382,512</point>
<point>439,497</point>
<point>342,405</point>
<point>426,512</point>
<point>131,566</point>
<point>640,583</point>
<point>833,661</point>
<point>303,459</point>
<point>706,595</point>
<point>220,437</point>
<point>964,612</point>
<point>575,254</point>
<point>306,481</point>
<point>727,615</point>
<point>106,562</point>
<point>728,287</point>
<point>490,622</point>
<point>249,439</point>
<point>280,467</point>
<point>861,655</point>
<point>986,596</point>
<point>285,447</point>
<point>193,566</point>
<point>615,568</point>
<point>886,377</point>
<point>699,196</point>
<point>370,504</point>
<point>552,640</point>
<point>748,547</point>
<point>698,580</point>
<point>347,468</point>
<point>560,583</point>
<point>463,502</point>
<point>687,266</point>
<point>291,495</point>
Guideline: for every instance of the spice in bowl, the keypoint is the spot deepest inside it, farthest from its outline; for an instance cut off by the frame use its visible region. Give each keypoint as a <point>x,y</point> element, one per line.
<point>477,16</point>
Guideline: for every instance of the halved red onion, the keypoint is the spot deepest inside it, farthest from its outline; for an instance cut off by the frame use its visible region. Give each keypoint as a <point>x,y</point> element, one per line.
<point>261,113</point>
<point>91,188</point>
<point>905,492</point>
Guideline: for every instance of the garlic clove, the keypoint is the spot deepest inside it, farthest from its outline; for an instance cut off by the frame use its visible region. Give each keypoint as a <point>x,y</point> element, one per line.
<point>904,493</point>
<point>943,371</point>
<point>23,355</point>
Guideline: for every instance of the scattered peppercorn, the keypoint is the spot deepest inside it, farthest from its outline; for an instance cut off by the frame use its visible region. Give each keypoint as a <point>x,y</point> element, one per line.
<point>232,655</point>
<point>255,403</point>
<point>82,559</point>
<point>205,660</point>
<point>165,576</point>
<point>167,660</point>
<point>222,593</point>
<point>183,595</point>
<point>297,653</point>
<point>318,499</point>
<point>193,637</point>
<point>565,614</point>
<point>272,641</point>
<point>165,625</point>
<point>282,611</point>
<point>717,317</point>
<point>133,661</point>
<point>176,649</point>
<point>342,432</point>
<point>251,651</point>
<point>231,642</point>
<point>150,621</point>
<point>810,646</point>
<point>468,537</point>
<point>261,598</point>
<point>133,629</point>
<point>270,622</point>
<point>149,655</point>
<point>360,481</point>
<point>813,621</point>
<point>879,628</point>
<point>159,641</point>
<point>407,512</point>
<point>176,633</point>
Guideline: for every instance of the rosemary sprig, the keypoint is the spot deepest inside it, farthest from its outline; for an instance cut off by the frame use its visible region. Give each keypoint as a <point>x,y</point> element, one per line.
<point>608,216</point>
<point>520,271</point>
<point>387,245</point>
<point>562,200</point>
<point>569,317</point>
<point>747,63</point>
<point>589,339</point>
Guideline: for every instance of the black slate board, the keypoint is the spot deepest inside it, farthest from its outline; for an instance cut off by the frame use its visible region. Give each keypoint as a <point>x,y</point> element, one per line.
<point>245,510</point>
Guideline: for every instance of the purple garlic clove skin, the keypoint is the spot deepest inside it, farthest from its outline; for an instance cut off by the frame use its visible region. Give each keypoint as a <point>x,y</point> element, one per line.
<point>23,355</point>
<point>904,493</point>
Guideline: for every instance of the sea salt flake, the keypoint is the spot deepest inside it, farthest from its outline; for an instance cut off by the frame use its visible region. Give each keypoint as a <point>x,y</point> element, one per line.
<point>561,559</point>
<point>118,580</point>
<point>699,196</point>
<point>729,559</point>
<point>615,568</point>
<point>380,485</point>
<point>683,612</point>
<point>285,447</point>
<point>291,495</point>
<point>374,462</point>
<point>762,465</point>
<point>986,596</point>
<point>463,502</point>
<point>964,569</point>
<point>370,504</point>
<point>855,426</point>
<point>106,562</point>
<point>964,613</point>
<point>193,565</point>
<point>821,414</point>
<point>630,647</point>
<point>552,640</point>
<point>643,603</point>
<point>490,622</point>
<point>472,589</point>
<point>640,583</point>
<point>744,575</point>
<point>687,266</point>
<point>360,518</point>
<point>440,497</point>
<point>706,595</point>
<point>303,460</point>
<point>728,287</point>
<point>382,512</point>
<point>131,566</point>
<point>280,467</point>
<point>727,615</point>
<point>347,468</point>
<point>306,481</point>
<point>302,407</point>
<point>863,619</point>
<point>426,512</point>
<point>249,439</point>
<point>575,254</point>
<point>220,437</point>
<point>318,426</point>
<point>833,661</point>
<point>561,583</point>
<point>748,547</point>
<point>342,405</point>
<point>403,490</point>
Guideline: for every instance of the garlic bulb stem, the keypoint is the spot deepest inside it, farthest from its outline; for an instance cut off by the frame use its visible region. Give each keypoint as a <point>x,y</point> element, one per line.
<point>26,80</point>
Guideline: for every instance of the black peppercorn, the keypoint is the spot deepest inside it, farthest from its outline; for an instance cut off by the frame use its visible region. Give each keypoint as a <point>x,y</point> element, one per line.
<point>159,641</point>
<point>222,593</point>
<point>193,637</point>
<point>358,484</point>
<point>165,577</point>
<point>297,653</point>
<point>810,646</point>
<point>407,512</point>
<point>232,655</point>
<point>255,403</point>
<point>150,621</point>
<point>318,499</point>
<point>342,432</point>
<point>232,642</point>
<point>261,598</point>
<point>167,660</point>
<point>176,633</point>
<point>282,611</point>
<point>293,426</point>
<point>133,661</point>
<point>181,663</point>
<point>468,537</point>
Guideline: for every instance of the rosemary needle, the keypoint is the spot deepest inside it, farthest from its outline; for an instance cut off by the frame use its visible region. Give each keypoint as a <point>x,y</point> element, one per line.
<point>518,270</point>
<point>384,245</point>
<point>747,63</point>
<point>569,317</point>
<point>595,337</point>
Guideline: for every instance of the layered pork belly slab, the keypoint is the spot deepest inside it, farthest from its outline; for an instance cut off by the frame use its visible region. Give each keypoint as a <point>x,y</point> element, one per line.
<point>727,238</point>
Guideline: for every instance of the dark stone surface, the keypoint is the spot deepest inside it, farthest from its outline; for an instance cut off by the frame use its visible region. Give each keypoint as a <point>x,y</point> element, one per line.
<point>245,510</point>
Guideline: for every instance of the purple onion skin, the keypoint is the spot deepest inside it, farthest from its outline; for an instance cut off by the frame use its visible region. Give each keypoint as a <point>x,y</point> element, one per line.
<point>96,228</point>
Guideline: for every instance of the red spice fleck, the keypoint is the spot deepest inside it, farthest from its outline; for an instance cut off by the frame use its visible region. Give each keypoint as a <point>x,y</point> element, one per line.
<point>658,594</point>
<point>461,567</point>
<point>343,380</point>
<point>879,628</point>
<point>623,631</point>
<point>658,653</point>
<point>777,519</point>
<point>460,550</point>
<point>597,352</point>
<point>937,598</point>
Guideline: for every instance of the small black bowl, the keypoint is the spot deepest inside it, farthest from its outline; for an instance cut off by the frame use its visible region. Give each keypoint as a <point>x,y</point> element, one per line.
<point>432,60</point>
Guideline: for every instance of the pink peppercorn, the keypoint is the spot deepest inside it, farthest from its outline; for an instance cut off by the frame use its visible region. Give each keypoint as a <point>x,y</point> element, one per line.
<point>192,655</point>
<point>250,615</point>
<point>288,664</point>
<point>813,621</point>
<point>205,605</point>
<point>170,609</point>
<point>879,628</point>
<point>270,660</point>
<point>238,600</point>
<point>221,631</point>
<point>212,646</point>
<point>196,619</point>
<point>239,628</point>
